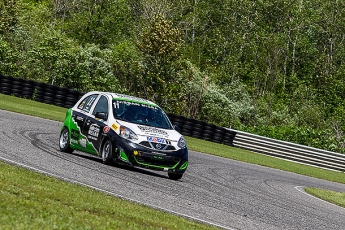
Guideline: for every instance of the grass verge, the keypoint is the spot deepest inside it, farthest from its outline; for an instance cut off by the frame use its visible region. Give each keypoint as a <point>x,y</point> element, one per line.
<point>34,201</point>
<point>33,108</point>
<point>337,198</point>
<point>40,206</point>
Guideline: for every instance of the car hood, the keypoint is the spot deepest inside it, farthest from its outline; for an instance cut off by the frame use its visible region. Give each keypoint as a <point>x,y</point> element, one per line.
<point>144,130</point>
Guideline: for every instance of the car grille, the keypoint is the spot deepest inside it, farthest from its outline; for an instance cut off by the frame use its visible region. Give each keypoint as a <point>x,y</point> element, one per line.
<point>157,146</point>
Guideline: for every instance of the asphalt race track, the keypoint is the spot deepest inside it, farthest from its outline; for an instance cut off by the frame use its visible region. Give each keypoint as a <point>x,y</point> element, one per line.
<point>214,190</point>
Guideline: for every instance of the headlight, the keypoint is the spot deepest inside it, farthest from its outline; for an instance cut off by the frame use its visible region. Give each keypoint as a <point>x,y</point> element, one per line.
<point>127,133</point>
<point>181,143</point>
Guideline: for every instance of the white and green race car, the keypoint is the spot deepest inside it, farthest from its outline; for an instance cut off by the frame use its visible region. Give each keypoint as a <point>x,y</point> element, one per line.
<point>126,130</point>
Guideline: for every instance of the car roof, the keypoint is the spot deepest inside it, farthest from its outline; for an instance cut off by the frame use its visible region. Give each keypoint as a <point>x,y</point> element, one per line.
<point>124,97</point>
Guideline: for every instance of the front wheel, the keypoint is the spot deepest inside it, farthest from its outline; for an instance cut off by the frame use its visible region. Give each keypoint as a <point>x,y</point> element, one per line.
<point>107,152</point>
<point>175,176</point>
<point>64,142</point>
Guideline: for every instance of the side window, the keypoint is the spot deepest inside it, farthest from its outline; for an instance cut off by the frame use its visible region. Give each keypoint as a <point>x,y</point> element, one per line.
<point>87,103</point>
<point>119,108</point>
<point>101,106</point>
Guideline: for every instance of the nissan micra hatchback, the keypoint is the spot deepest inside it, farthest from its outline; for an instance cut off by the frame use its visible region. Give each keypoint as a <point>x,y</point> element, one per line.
<point>126,130</point>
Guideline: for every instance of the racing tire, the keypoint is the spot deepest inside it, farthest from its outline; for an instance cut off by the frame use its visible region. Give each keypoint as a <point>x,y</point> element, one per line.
<point>107,152</point>
<point>64,142</point>
<point>6,90</point>
<point>207,137</point>
<point>228,142</point>
<point>186,132</point>
<point>5,84</point>
<point>175,176</point>
<point>187,127</point>
<point>217,140</point>
<point>197,135</point>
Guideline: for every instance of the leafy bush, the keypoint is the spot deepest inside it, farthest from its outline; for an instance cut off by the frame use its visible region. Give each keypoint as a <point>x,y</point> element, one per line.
<point>8,57</point>
<point>89,69</point>
<point>127,66</point>
<point>9,14</point>
<point>193,86</point>
<point>228,106</point>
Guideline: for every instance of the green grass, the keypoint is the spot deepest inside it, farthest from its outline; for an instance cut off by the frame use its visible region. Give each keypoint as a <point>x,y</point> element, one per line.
<point>43,202</point>
<point>30,200</point>
<point>32,108</point>
<point>337,198</point>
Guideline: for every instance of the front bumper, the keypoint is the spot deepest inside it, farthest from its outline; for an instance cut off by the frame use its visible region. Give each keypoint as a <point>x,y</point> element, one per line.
<point>137,155</point>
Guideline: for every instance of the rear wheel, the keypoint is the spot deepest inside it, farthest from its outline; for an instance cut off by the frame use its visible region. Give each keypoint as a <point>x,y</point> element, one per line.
<point>64,142</point>
<point>175,176</point>
<point>107,152</point>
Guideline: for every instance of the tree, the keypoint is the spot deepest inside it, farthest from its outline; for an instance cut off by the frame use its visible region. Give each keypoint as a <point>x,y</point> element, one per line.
<point>102,22</point>
<point>88,69</point>
<point>8,16</point>
<point>160,44</point>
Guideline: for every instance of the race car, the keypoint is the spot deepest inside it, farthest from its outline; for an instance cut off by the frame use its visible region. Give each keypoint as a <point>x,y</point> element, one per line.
<point>126,130</point>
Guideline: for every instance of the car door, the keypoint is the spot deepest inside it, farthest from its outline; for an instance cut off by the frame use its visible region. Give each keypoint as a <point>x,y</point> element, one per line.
<point>94,126</point>
<point>80,115</point>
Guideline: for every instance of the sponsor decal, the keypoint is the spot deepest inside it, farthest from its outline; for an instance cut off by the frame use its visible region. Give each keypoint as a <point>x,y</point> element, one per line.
<point>92,137</point>
<point>147,129</point>
<point>79,118</point>
<point>117,104</point>
<point>158,146</point>
<point>82,104</point>
<point>114,126</point>
<point>132,98</point>
<point>94,130</point>
<point>106,129</point>
<point>158,157</point>
<point>74,141</point>
<point>156,140</point>
<point>75,134</point>
<point>82,142</point>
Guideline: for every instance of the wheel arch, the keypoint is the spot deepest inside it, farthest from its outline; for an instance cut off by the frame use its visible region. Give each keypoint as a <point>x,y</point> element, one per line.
<point>104,139</point>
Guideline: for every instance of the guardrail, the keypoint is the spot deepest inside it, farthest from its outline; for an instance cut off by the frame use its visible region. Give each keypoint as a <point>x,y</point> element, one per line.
<point>290,151</point>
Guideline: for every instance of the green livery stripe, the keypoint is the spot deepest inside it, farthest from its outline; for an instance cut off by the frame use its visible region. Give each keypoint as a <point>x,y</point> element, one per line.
<point>123,156</point>
<point>76,143</point>
<point>184,166</point>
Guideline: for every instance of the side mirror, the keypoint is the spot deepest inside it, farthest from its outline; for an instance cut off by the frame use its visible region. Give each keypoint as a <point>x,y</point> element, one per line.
<point>177,128</point>
<point>101,115</point>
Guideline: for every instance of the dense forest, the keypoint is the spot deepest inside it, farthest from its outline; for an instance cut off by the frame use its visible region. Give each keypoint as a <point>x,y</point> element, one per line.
<point>271,67</point>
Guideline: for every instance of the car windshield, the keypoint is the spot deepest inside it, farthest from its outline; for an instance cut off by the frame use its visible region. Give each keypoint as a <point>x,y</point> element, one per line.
<point>140,114</point>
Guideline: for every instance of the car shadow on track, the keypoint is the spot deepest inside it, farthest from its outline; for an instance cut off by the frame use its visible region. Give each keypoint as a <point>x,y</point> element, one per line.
<point>118,165</point>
